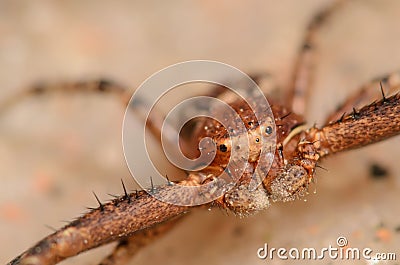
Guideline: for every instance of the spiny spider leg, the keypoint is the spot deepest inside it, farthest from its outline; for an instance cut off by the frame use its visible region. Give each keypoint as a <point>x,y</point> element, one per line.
<point>127,246</point>
<point>130,246</point>
<point>370,124</point>
<point>303,72</point>
<point>117,220</point>
<point>377,88</point>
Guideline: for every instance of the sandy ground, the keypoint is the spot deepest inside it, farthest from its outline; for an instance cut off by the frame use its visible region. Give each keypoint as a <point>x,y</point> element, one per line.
<point>55,150</point>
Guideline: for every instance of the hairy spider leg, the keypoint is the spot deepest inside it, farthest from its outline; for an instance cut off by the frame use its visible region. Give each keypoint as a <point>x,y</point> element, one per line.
<point>371,123</point>
<point>378,88</point>
<point>128,245</point>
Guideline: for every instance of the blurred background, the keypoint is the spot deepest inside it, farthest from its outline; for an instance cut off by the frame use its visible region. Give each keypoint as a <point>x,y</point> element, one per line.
<point>56,149</point>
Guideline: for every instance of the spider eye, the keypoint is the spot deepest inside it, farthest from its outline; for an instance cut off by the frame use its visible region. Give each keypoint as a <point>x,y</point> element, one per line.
<point>257,140</point>
<point>268,130</point>
<point>223,148</point>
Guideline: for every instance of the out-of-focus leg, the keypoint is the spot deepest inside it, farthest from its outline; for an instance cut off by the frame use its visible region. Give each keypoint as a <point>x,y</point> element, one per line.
<point>302,76</point>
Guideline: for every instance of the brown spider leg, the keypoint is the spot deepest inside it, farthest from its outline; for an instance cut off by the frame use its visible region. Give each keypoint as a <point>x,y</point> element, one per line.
<point>377,88</point>
<point>370,124</point>
<point>127,246</point>
<point>101,86</point>
<point>96,86</point>
<point>154,121</point>
<point>112,221</point>
<point>130,246</point>
<point>302,76</point>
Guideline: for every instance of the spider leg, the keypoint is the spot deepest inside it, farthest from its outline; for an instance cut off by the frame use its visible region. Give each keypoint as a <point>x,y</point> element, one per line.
<point>377,88</point>
<point>302,75</point>
<point>370,124</point>
<point>130,246</point>
<point>97,86</point>
<point>116,220</point>
<point>124,219</point>
<point>153,122</point>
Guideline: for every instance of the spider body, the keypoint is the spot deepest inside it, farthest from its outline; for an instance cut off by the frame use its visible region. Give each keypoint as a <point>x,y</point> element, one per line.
<point>291,170</point>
